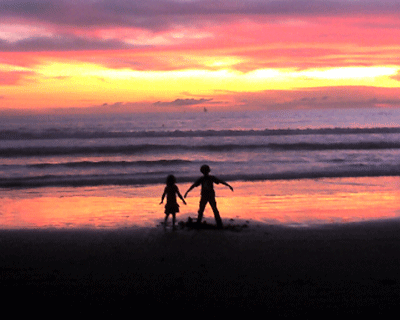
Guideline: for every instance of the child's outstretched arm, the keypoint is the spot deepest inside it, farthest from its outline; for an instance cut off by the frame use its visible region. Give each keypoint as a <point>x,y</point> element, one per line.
<point>226,184</point>
<point>180,196</point>
<point>191,187</point>
<point>194,185</point>
<point>163,196</point>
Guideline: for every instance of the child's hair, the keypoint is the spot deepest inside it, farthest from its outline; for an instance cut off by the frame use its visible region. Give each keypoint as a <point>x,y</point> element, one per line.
<point>171,180</point>
<point>205,169</point>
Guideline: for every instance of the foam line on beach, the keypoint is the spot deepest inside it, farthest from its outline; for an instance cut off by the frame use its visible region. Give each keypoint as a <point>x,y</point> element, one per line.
<point>143,179</point>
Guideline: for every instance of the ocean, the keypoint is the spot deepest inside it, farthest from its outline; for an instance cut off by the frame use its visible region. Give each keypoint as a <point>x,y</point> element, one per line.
<point>108,171</point>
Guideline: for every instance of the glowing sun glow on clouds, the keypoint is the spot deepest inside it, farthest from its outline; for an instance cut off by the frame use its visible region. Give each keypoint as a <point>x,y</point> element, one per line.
<point>144,55</point>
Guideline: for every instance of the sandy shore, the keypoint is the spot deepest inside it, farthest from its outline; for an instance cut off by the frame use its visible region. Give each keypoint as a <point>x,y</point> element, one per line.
<point>348,269</point>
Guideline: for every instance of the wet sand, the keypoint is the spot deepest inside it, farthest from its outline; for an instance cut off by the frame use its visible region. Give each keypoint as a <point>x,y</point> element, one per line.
<point>349,269</point>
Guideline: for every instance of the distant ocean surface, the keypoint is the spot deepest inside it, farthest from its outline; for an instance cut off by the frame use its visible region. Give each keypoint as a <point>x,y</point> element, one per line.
<point>95,150</point>
<point>286,167</point>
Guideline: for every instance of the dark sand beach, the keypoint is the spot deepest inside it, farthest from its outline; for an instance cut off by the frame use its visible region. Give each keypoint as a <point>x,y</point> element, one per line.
<point>349,269</point>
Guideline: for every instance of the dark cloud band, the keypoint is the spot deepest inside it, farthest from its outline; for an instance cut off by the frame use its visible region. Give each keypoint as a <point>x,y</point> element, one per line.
<point>160,14</point>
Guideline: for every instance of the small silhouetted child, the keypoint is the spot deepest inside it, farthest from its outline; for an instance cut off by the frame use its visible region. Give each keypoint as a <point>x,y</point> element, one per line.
<point>171,191</point>
<point>207,193</point>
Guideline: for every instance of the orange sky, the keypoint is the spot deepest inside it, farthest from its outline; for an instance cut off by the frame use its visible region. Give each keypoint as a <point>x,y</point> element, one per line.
<point>165,55</point>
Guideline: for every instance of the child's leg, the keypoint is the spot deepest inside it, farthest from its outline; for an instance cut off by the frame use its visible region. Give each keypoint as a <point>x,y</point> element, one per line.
<point>213,205</point>
<point>202,206</point>
<point>166,218</point>
<point>173,219</point>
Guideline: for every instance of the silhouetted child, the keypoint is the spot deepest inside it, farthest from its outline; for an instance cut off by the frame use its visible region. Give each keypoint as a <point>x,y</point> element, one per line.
<point>171,207</point>
<point>207,193</point>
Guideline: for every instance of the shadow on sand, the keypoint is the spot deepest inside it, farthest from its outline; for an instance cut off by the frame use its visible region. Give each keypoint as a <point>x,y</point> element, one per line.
<point>192,224</point>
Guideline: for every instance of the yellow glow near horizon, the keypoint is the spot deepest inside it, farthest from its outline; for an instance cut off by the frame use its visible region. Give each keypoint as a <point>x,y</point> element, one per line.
<point>224,79</point>
<point>348,73</point>
<point>11,68</point>
<point>60,84</point>
<point>219,62</point>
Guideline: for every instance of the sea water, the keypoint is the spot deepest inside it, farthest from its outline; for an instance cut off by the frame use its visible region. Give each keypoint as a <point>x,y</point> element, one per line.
<point>108,171</point>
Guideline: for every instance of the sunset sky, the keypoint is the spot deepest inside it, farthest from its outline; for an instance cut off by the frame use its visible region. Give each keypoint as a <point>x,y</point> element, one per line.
<point>170,55</point>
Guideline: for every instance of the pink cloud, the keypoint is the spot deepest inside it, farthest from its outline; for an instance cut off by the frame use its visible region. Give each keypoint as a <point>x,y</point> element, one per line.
<point>160,34</point>
<point>318,98</point>
<point>9,78</point>
<point>396,77</point>
<point>278,43</point>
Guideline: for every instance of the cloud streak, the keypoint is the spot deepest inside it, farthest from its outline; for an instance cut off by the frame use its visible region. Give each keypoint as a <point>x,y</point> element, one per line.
<point>108,24</point>
<point>183,102</point>
<point>161,14</point>
<point>319,98</point>
<point>61,43</point>
<point>12,78</point>
<point>185,54</point>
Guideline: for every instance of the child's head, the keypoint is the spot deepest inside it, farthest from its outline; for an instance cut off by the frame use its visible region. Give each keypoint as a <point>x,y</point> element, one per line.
<point>171,180</point>
<point>205,169</point>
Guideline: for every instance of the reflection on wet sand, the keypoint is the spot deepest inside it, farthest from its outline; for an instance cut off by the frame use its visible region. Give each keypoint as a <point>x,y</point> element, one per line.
<point>297,202</point>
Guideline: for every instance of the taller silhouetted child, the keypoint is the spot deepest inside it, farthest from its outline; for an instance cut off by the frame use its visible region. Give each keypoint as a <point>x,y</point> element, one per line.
<point>207,193</point>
